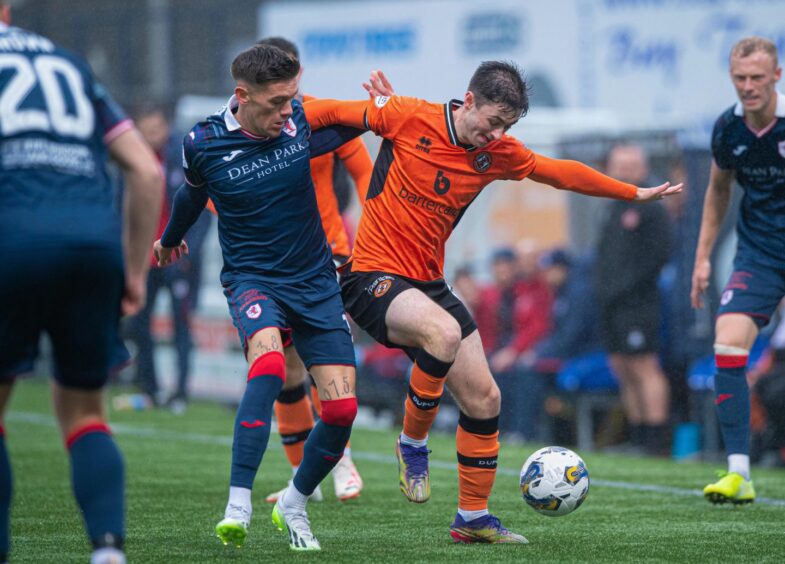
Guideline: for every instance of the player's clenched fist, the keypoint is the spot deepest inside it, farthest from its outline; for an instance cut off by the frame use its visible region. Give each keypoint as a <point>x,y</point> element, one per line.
<point>167,255</point>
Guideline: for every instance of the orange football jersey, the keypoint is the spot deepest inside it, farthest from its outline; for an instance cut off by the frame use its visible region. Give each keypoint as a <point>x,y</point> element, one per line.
<point>355,157</point>
<point>424,179</point>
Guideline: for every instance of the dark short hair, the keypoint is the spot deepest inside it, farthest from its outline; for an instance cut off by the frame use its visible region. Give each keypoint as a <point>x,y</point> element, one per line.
<point>556,257</point>
<point>282,43</point>
<point>262,64</point>
<point>503,254</point>
<point>500,82</point>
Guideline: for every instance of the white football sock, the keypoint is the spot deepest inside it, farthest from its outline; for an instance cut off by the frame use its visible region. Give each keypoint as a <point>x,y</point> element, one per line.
<point>739,463</point>
<point>472,515</point>
<point>241,497</point>
<point>406,440</point>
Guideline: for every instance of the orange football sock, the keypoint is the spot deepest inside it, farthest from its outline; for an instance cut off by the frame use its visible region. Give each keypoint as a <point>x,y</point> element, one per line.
<point>477,442</point>
<point>294,414</point>
<point>426,386</point>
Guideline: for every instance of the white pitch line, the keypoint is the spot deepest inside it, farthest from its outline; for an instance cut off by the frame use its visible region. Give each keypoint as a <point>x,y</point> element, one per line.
<point>145,432</point>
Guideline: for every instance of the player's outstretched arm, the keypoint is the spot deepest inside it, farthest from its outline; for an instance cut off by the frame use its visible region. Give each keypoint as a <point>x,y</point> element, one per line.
<point>657,192</point>
<point>577,177</point>
<point>141,211</point>
<point>325,112</point>
<point>378,85</point>
<point>715,206</point>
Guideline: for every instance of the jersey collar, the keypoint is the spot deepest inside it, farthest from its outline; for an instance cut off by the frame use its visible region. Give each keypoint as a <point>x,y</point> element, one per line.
<point>451,132</point>
<point>778,112</point>
<point>231,121</point>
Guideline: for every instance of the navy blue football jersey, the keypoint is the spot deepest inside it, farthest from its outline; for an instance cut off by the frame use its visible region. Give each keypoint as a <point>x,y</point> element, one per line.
<point>55,123</point>
<point>758,160</point>
<point>268,220</point>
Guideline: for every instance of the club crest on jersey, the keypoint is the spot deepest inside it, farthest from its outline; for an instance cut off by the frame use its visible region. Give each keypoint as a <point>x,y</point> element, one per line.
<point>380,101</point>
<point>290,128</point>
<point>380,286</point>
<point>482,162</point>
<point>254,311</point>
<point>781,147</point>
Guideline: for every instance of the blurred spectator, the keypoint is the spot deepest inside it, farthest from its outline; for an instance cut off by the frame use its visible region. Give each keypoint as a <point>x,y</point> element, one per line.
<point>512,315</point>
<point>182,278</point>
<point>767,382</point>
<point>384,373</point>
<point>634,245</point>
<point>573,333</point>
<point>686,333</point>
<point>574,313</point>
<point>466,288</point>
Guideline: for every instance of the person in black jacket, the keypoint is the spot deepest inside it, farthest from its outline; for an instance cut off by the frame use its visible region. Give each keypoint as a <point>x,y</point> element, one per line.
<point>634,245</point>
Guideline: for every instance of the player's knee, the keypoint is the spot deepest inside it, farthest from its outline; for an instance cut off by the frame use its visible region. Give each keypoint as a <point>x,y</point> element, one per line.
<point>444,337</point>
<point>493,400</point>
<point>268,364</point>
<point>339,412</point>
<point>482,402</point>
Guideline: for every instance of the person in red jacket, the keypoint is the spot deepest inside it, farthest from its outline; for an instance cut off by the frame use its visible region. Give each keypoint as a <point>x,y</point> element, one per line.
<point>513,314</point>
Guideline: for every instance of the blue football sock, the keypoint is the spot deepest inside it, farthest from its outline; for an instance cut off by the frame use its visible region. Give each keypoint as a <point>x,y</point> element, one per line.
<point>6,485</point>
<point>324,447</point>
<point>322,451</point>
<point>252,423</point>
<point>732,397</point>
<point>98,479</point>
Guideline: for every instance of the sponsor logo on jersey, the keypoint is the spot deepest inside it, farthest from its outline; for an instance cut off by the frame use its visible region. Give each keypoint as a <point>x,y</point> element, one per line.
<point>380,286</point>
<point>727,296</point>
<point>271,162</point>
<point>739,150</point>
<point>290,128</point>
<point>427,204</point>
<point>781,148</point>
<point>482,162</point>
<point>380,101</point>
<point>254,311</point>
<point>424,144</point>
<point>232,155</point>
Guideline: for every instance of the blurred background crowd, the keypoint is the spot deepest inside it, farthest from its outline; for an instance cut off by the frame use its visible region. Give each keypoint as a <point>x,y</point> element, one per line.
<point>583,305</point>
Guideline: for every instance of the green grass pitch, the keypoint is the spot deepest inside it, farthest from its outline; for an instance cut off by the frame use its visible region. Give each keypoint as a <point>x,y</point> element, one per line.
<point>638,509</point>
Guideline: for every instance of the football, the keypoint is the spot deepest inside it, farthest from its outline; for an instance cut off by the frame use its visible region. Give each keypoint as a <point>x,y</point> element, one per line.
<point>554,481</point>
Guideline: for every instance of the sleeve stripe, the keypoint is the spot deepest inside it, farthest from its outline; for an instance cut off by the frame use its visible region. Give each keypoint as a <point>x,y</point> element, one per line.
<point>118,129</point>
<point>365,120</point>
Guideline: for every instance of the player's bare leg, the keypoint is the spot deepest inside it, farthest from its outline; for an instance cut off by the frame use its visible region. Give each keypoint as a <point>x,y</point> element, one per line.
<point>414,320</point>
<point>323,450</point>
<point>266,375</point>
